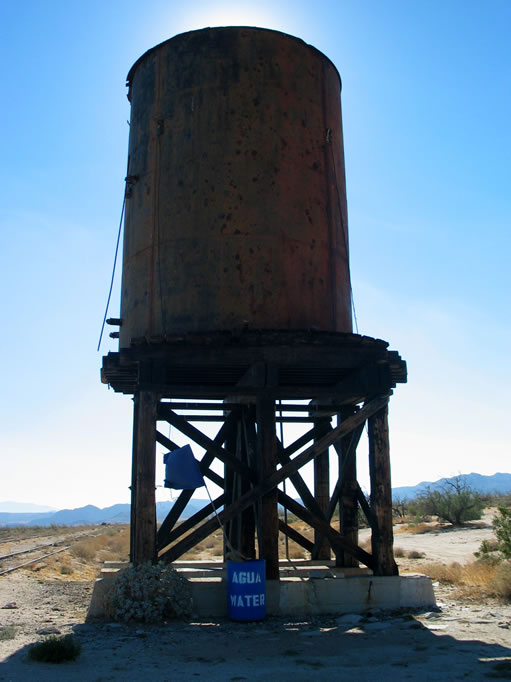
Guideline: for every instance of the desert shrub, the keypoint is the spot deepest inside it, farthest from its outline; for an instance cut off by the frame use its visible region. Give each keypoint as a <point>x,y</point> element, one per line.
<point>400,507</point>
<point>399,552</point>
<point>7,632</point>
<point>88,547</point>
<point>150,594</point>
<point>413,554</point>
<point>55,650</point>
<point>502,527</point>
<point>502,580</point>
<point>475,577</point>
<point>424,527</point>
<point>66,569</point>
<point>454,501</point>
<point>496,550</point>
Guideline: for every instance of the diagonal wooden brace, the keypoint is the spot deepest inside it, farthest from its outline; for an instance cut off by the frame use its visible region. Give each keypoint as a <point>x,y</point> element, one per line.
<point>279,475</point>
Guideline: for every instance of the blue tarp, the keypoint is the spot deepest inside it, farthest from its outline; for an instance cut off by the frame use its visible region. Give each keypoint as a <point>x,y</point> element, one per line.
<point>182,470</point>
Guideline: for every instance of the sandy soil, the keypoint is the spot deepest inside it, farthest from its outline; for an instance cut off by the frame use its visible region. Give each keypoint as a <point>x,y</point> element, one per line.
<point>463,639</point>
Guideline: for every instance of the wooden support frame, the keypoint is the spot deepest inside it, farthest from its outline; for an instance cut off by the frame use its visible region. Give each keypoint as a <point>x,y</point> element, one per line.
<point>342,376</point>
<point>267,484</point>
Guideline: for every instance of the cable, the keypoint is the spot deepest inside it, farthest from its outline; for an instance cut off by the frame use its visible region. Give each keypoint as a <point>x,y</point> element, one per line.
<point>234,552</point>
<point>113,270</point>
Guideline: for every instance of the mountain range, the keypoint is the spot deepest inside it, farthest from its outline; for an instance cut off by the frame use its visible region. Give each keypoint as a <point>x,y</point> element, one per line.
<point>120,513</point>
<point>498,483</point>
<point>117,513</point>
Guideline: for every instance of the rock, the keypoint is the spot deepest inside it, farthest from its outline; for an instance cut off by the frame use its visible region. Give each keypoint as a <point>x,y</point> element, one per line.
<point>11,605</point>
<point>49,631</point>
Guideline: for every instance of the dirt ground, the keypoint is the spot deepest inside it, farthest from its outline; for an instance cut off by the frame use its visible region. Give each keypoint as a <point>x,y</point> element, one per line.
<point>462,639</point>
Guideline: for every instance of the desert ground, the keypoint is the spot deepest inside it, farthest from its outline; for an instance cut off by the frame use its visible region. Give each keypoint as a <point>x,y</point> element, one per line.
<point>464,637</point>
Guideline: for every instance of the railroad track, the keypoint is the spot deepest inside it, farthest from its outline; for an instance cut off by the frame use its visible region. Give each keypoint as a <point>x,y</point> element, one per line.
<point>5,571</point>
<point>18,538</point>
<point>7,561</point>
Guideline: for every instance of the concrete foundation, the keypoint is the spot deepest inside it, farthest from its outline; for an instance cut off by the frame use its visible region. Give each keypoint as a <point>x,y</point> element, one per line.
<point>305,589</point>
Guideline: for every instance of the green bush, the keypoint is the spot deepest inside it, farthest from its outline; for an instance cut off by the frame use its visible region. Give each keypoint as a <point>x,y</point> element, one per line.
<point>502,527</point>
<point>455,502</point>
<point>494,551</point>
<point>7,632</point>
<point>55,650</point>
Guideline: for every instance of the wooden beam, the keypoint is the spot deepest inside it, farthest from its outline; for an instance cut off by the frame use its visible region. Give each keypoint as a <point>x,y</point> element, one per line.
<point>285,471</point>
<point>348,503</point>
<point>190,522</point>
<point>352,440</point>
<point>206,461</point>
<point>301,487</point>
<point>365,506</point>
<point>295,536</point>
<point>322,491</point>
<point>267,457</point>
<point>166,442</point>
<point>180,423</point>
<point>144,478</point>
<point>337,540</point>
<point>381,493</point>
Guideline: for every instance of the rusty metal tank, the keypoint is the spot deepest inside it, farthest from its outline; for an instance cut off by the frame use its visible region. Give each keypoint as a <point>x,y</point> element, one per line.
<point>236,203</point>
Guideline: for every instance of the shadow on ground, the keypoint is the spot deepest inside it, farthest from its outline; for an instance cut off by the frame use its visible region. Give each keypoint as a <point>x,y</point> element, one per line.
<point>346,647</point>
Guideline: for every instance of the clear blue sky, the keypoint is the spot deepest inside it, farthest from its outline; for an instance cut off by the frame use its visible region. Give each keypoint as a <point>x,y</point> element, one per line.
<point>426,111</point>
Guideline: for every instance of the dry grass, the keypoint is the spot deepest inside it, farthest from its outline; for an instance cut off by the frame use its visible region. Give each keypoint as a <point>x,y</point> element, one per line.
<point>84,560</point>
<point>420,528</point>
<point>477,579</point>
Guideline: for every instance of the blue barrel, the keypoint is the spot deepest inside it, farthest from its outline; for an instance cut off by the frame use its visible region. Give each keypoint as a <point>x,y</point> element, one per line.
<point>246,590</point>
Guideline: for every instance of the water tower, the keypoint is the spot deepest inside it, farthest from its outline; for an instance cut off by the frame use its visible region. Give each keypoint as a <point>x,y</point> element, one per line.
<point>236,289</point>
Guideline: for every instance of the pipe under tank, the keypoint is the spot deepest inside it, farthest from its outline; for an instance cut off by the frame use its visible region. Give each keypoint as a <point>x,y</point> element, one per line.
<point>236,201</point>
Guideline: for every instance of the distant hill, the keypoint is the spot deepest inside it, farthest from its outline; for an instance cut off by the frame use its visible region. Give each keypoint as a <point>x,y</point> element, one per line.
<point>498,483</point>
<point>118,513</point>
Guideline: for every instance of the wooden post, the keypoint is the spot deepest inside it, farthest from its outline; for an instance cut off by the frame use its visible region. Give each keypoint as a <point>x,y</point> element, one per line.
<point>381,493</point>
<point>348,505</point>
<point>267,457</point>
<point>240,531</point>
<point>231,535</point>
<point>143,499</point>
<point>248,524</point>
<point>133,486</point>
<point>322,490</point>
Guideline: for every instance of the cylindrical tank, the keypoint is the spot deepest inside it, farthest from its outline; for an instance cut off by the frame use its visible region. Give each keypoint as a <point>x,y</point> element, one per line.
<point>236,202</point>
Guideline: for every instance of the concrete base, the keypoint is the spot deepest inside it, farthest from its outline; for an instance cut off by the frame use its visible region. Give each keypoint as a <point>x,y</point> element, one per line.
<point>315,588</point>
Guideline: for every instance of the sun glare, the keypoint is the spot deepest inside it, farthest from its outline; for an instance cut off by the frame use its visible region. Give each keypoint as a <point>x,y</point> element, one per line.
<point>202,15</point>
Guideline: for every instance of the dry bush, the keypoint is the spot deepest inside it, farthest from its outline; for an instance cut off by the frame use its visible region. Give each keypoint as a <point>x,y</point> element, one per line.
<point>399,552</point>
<point>66,569</point>
<point>117,547</point>
<point>414,554</point>
<point>502,581</point>
<point>296,551</point>
<point>420,528</point>
<point>479,577</point>
<point>87,548</point>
